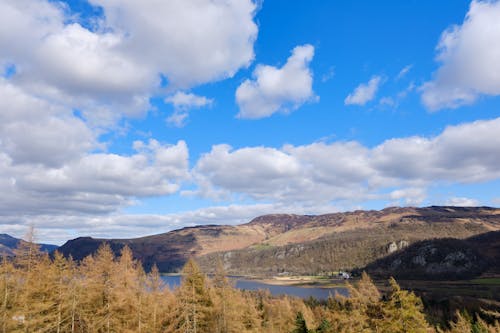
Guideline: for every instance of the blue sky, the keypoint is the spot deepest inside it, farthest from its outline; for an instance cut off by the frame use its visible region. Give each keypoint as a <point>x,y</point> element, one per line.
<point>125,118</point>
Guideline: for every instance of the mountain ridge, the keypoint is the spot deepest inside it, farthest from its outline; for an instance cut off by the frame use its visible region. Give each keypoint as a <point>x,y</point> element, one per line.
<point>8,244</point>
<point>170,250</point>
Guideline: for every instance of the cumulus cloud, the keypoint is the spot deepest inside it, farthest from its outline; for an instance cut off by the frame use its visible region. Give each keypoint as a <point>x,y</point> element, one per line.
<point>191,42</point>
<point>364,93</point>
<point>469,55</point>
<point>277,89</point>
<point>32,129</point>
<point>115,68</point>
<point>92,183</point>
<point>64,84</point>
<point>326,172</point>
<point>50,162</point>
<point>462,202</point>
<point>183,103</point>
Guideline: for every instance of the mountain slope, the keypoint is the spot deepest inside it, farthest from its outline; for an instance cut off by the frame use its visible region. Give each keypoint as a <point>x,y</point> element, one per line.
<point>8,244</point>
<point>342,250</point>
<point>317,241</point>
<point>445,259</point>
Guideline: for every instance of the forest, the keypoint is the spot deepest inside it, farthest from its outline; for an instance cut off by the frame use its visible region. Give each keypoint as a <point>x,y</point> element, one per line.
<point>108,293</point>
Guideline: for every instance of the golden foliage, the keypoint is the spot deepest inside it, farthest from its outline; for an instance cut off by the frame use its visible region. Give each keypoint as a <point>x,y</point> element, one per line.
<point>105,294</point>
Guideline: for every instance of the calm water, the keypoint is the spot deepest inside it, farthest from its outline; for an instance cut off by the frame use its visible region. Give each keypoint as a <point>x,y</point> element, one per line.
<point>319,293</point>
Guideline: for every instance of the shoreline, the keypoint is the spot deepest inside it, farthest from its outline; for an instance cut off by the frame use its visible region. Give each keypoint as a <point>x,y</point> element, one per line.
<point>300,281</point>
<point>323,282</point>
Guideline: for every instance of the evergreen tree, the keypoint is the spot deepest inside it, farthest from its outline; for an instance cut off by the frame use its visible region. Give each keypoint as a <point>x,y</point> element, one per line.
<point>324,327</point>
<point>300,324</point>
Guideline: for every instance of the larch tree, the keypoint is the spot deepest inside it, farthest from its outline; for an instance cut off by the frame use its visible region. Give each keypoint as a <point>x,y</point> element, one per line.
<point>31,286</point>
<point>194,305</point>
<point>8,280</point>
<point>354,313</point>
<point>229,308</point>
<point>96,295</point>
<point>160,303</point>
<point>127,297</point>
<point>404,312</point>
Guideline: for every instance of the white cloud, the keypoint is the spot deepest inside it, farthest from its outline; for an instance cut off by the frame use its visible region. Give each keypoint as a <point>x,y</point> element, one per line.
<point>462,202</point>
<point>412,196</point>
<point>190,41</point>
<point>364,93</point>
<point>33,130</point>
<point>187,101</point>
<point>469,56</point>
<point>92,183</point>
<point>402,73</point>
<point>277,89</point>
<point>322,172</point>
<point>52,160</point>
<point>183,103</point>
<point>113,70</point>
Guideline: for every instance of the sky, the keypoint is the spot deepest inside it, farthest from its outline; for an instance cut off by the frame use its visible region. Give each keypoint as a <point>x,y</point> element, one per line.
<point>125,118</point>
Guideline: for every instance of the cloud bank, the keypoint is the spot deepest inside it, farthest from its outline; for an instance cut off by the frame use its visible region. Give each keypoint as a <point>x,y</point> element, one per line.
<point>328,172</point>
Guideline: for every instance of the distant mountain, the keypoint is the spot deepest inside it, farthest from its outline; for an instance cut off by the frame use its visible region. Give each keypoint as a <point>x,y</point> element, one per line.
<point>287,243</point>
<point>8,244</point>
<point>446,259</point>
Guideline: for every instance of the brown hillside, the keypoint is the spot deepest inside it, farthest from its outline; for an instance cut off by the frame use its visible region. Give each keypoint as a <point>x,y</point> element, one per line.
<point>170,250</point>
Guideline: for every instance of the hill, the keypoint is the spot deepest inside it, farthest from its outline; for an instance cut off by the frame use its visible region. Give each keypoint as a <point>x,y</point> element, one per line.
<point>8,244</point>
<point>443,259</point>
<point>299,244</point>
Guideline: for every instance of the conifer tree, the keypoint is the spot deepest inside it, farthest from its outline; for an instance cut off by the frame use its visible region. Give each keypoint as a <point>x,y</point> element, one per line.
<point>229,309</point>
<point>300,324</point>
<point>97,290</point>
<point>360,312</point>
<point>7,294</point>
<point>461,325</point>
<point>127,297</point>
<point>403,312</point>
<point>193,310</point>
<point>159,303</point>
<point>59,279</point>
<point>251,317</point>
<point>30,285</point>
<point>324,327</point>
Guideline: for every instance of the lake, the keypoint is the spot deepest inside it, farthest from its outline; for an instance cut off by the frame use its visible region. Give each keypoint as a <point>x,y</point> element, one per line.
<point>304,292</point>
